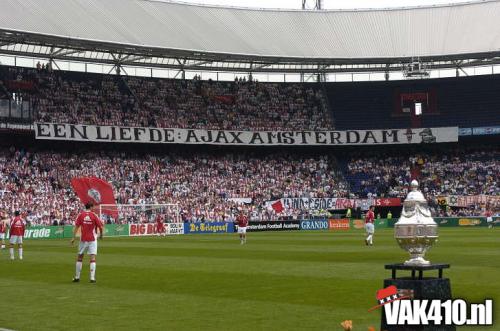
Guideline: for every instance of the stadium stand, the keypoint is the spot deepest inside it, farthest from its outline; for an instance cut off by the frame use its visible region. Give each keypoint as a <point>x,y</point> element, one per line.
<point>70,97</point>
<point>457,171</point>
<point>446,102</point>
<point>301,280</point>
<point>37,182</point>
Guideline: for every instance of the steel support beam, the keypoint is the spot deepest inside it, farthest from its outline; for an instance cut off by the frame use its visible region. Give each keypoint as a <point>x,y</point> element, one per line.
<point>167,59</point>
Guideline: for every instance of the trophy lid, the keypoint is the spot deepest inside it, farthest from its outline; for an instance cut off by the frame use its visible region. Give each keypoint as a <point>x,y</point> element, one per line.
<point>415,194</point>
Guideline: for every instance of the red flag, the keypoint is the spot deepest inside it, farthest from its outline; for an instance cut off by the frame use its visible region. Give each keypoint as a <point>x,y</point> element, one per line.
<point>227,99</point>
<point>96,191</point>
<point>277,206</point>
<point>388,202</point>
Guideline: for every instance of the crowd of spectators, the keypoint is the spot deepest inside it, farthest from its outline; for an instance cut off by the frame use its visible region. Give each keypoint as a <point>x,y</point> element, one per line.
<point>202,184</point>
<point>379,176</point>
<point>458,172</point>
<point>455,172</point>
<point>208,186</point>
<point>462,173</point>
<point>82,98</point>
<point>205,185</point>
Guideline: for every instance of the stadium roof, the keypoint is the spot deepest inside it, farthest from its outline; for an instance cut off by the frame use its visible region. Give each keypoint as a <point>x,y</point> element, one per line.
<point>146,32</point>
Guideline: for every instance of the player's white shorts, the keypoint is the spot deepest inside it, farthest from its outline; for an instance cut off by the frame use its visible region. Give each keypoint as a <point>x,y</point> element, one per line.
<point>242,229</point>
<point>2,236</point>
<point>89,246</point>
<point>370,228</point>
<point>16,239</point>
<point>489,219</point>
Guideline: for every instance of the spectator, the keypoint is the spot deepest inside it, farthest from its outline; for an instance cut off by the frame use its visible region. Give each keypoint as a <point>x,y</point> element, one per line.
<point>202,184</point>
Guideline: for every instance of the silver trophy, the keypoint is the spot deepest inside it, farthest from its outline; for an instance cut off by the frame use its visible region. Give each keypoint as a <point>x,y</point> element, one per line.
<point>415,230</point>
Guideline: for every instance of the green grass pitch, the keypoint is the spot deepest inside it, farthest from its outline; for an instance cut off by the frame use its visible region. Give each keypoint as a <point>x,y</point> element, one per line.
<point>277,281</point>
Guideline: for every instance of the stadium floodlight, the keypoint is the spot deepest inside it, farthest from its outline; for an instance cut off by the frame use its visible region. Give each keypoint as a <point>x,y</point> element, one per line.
<point>416,68</point>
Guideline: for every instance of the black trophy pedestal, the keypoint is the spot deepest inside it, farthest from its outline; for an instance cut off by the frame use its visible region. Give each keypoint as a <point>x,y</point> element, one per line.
<point>421,288</point>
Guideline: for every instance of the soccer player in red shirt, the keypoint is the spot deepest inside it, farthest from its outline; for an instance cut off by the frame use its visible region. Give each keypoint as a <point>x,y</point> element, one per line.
<point>90,225</point>
<point>489,218</point>
<point>369,226</point>
<point>4,220</point>
<point>242,221</point>
<point>160,227</point>
<point>16,227</point>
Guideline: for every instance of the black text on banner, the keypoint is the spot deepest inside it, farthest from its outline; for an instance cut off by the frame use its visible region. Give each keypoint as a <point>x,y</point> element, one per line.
<point>120,134</point>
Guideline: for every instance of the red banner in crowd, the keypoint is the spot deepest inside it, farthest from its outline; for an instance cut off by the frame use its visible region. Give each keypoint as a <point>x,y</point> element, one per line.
<point>97,192</point>
<point>20,85</point>
<point>227,99</point>
<point>342,203</point>
<point>388,202</point>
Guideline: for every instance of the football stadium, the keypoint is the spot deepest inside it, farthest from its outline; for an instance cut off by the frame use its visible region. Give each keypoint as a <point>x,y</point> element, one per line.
<point>174,165</point>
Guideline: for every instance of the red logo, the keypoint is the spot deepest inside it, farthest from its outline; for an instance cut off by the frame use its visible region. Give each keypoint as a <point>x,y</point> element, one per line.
<point>142,229</point>
<point>388,295</point>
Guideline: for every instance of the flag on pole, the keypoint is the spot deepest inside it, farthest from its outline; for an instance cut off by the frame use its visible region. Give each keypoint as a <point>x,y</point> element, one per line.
<point>97,192</point>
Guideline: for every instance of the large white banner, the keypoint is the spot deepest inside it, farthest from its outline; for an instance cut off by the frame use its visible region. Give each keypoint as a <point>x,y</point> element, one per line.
<point>318,203</point>
<point>120,134</point>
<point>334,203</point>
<point>468,200</point>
